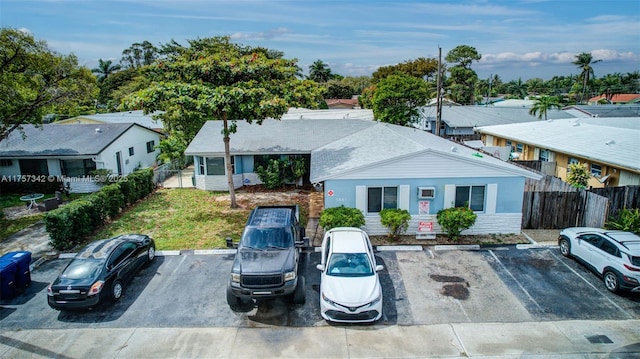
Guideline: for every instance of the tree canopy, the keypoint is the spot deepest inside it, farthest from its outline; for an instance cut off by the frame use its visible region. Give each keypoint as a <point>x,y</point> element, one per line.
<point>34,80</point>
<point>463,78</point>
<point>420,68</point>
<point>396,99</point>
<point>214,79</point>
<point>543,104</point>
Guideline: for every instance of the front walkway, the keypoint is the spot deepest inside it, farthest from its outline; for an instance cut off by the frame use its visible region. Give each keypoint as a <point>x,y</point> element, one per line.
<point>180,179</point>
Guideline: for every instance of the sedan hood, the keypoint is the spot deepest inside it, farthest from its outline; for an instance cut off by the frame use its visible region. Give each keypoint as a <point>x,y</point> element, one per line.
<point>265,261</point>
<point>351,290</point>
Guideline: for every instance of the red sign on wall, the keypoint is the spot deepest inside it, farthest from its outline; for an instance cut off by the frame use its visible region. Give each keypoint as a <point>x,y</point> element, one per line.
<point>425,227</point>
<point>330,193</point>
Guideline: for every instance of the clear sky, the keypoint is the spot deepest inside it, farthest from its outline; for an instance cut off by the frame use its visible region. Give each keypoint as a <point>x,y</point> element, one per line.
<point>516,38</point>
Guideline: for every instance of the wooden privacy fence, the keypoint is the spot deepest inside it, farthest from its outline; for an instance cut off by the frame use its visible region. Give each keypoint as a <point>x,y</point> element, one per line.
<point>620,197</point>
<point>556,210</point>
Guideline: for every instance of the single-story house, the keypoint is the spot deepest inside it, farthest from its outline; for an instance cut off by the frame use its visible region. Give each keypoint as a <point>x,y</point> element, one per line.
<point>137,116</point>
<point>608,146</point>
<point>369,165</point>
<point>460,122</point>
<point>72,152</point>
<point>617,99</point>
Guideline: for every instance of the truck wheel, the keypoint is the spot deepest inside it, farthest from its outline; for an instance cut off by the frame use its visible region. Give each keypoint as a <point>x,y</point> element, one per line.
<point>235,303</point>
<point>298,293</point>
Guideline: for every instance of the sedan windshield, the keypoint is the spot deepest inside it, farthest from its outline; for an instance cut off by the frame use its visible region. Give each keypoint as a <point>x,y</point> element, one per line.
<point>82,268</point>
<point>349,265</point>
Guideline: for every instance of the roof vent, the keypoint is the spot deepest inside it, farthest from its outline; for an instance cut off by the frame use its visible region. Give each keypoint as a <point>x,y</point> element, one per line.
<point>454,149</point>
<point>98,130</point>
<point>610,142</point>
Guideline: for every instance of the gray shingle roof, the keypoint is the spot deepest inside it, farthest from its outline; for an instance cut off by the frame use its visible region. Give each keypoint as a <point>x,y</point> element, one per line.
<point>125,117</point>
<point>385,142</point>
<point>477,116</point>
<point>585,137</point>
<point>62,140</point>
<point>273,136</point>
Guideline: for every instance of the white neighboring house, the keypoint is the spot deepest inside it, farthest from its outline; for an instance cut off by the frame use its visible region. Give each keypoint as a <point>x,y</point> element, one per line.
<point>71,152</point>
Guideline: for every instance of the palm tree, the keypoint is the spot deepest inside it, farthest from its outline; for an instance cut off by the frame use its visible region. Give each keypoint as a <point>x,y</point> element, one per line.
<point>105,68</point>
<point>543,104</point>
<point>319,72</point>
<point>583,62</point>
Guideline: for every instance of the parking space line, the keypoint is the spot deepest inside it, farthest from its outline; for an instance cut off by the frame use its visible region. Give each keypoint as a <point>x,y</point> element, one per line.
<point>179,264</point>
<point>514,278</point>
<point>591,285</point>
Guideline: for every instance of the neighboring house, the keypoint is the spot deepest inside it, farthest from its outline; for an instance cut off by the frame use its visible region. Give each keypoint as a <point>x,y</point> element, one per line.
<point>342,103</point>
<point>370,166</point>
<point>583,111</point>
<point>617,99</point>
<point>609,146</point>
<point>460,122</point>
<point>118,117</point>
<point>336,114</point>
<point>72,152</point>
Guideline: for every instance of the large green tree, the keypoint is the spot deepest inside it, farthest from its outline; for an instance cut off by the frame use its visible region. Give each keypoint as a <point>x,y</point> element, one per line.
<point>34,80</point>
<point>139,54</point>
<point>420,68</point>
<point>214,79</point>
<point>463,78</point>
<point>397,98</point>
<point>542,105</point>
<point>584,62</point>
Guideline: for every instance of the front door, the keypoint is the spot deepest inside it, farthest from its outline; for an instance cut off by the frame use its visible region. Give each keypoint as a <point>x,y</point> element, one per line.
<point>119,162</point>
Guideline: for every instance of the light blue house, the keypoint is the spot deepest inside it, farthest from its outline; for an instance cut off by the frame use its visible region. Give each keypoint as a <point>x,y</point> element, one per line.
<point>370,166</point>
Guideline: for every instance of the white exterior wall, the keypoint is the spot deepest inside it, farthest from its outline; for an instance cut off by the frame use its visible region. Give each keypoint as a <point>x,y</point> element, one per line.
<point>137,138</point>
<point>485,224</point>
<point>628,179</point>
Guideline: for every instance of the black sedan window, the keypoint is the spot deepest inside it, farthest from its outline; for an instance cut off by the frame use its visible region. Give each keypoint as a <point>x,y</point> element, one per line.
<point>82,268</point>
<point>121,253</point>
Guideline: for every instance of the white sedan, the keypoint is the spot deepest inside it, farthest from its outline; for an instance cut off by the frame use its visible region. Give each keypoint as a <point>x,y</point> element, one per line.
<point>349,286</point>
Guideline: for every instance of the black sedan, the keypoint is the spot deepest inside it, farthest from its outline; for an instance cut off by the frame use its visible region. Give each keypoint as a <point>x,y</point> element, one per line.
<point>99,271</point>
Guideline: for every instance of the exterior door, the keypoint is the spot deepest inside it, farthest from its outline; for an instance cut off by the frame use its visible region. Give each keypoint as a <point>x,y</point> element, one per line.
<point>119,162</point>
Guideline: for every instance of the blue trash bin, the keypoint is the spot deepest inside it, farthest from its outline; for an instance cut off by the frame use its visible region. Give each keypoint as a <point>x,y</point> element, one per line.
<point>23,260</point>
<point>8,271</point>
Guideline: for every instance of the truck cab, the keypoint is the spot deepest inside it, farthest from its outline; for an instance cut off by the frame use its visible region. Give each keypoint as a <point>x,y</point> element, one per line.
<point>267,257</point>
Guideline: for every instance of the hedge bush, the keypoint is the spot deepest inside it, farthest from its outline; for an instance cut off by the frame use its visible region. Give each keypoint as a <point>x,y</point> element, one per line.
<point>341,217</point>
<point>69,225</point>
<point>454,220</point>
<point>396,220</point>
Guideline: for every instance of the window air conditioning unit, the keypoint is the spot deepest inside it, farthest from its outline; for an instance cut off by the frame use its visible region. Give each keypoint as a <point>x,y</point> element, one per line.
<point>426,192</point>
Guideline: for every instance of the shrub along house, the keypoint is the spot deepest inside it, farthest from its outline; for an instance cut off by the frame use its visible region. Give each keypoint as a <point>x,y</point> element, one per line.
<point>72,152</point>
<point>369,165</point>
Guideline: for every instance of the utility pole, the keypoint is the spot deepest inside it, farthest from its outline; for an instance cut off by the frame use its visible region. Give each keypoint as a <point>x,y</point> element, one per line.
<point>439,93</point>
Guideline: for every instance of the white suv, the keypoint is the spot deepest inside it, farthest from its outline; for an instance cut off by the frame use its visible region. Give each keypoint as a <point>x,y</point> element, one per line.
<point>614,255</point>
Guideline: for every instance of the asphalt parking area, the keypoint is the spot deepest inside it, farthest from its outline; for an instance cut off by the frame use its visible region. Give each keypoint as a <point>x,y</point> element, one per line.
<point>419,287</point>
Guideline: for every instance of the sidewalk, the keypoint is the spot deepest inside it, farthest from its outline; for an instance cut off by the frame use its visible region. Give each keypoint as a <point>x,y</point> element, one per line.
<point>566,339</point>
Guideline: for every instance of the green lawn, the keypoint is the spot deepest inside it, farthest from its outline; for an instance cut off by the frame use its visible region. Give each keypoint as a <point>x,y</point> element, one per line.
<point>184,219</point>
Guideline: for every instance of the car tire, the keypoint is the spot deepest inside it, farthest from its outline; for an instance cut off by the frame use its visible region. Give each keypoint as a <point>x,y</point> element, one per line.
<point>565,247</point>
<point>237,304</point>
<point>298,293</point>
<point>611,281</point>
<point>116,290</point>
<point>151,253</point>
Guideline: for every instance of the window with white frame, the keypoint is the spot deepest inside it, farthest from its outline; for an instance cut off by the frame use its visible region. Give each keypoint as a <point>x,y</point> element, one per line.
<point>379,198</point>
<point>470,196</point>
<point>215,166</point>
<point>200,165</point>
<point>596,170</point>
<point>131,151</point>
<point>151,146</point>
<point>519,147</point>
<point>544,155</point>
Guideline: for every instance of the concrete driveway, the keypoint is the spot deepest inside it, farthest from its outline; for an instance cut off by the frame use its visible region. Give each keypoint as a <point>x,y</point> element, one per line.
<point>503,284</point>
